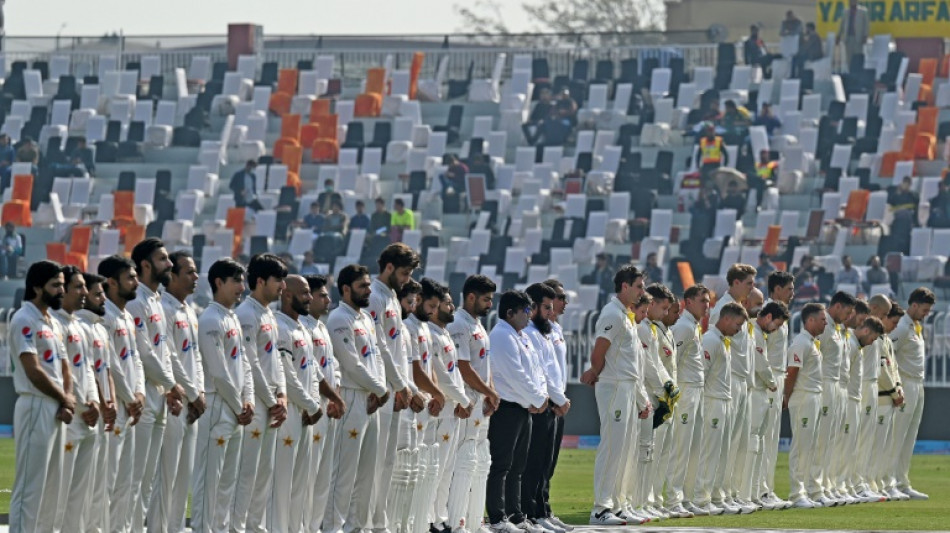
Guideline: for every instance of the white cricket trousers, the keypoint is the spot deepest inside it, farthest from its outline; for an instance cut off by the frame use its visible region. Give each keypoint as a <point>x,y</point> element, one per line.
<point>663,445</point>
<point>217,454</point>
<point>80,453</point>
<point>469,477</point>
<point>390,424</point>
<point>845,460</point>
<point>716,431</point>
<point>803,411</point>
<point>867,424</point>
<point>148,445</point>
<point>122,456</point>
<point>97,519</point>
<point>255,473</point>
<point>447,435</point>
<point>906,425</point>
<point>760,403</point>
<point>38,438</point>
<point>642,494</point>
<point>882,462</point>
<point>737,470</point>
<point>288,498</point>
<point>773,432</point>
<point>166,511</point>
<point>616,405</point>
<point>685,439</point>
<point>321,466</point>
<point>354,469</point>
<point>830,420</point>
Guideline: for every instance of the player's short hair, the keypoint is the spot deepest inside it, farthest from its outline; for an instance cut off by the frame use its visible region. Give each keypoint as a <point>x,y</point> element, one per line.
<point>433,289</point>
<point>538,292</point>
<point>143,251</point>
<point>739,272</point>
<point>478,285</point>
<point>921,295</point>
<point>843,298</point>
<point>177,256</point>
<point>874,324</point>
<point>733,309</point>
<point>410,287</point>
<point>861,307</point>
<point>512,301</point>
<point>779,279</point>
<point>348,275</point>
<point>264,267</point>
<point>777,309</point>
<point>644,299</point>
<point>113,266</point>
<point>695,291</point>
<point>896,311</point>
<point>92,279</point>
<point>316,281</point>
<point>38,275</point>
<point>810,310</point>
<point>399,255</point>
<point>69,271</point>
<point>661,292</point>
<point>628,274</point>
<point>553,283</point>
<point>224,269</point>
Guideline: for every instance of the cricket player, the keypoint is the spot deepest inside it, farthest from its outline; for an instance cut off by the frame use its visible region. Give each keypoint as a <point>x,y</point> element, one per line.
<point>81,448</point>
<point>473,459</point>
<point>364,390</point>
<point>717,394</point>
<point>664,432</point>
<point>99,352</point>
<point>781,287</point>
<point>519,380</point>
<point>322,463</point>
<point>543,429</point>
<point>802,398</point>
<point>396,264</point>
<point>229,392</point>
<point>890,398</point>
<point>879,307</point>
<point>908,341</point>
<point>617,378</point>
<point>167,508</point>
<point>688,336</point>
<point>265,276</point>
<point>741,280</point>
<point>129,379</point>
<point>45,402</point>
<point>833,350</point>
<point>766,320</point>
<point>459,407</point>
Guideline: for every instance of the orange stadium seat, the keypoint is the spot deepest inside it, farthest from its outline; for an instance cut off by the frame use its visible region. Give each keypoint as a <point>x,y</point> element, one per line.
<point>282,143</point>
<point>907,145</point>
<point>328,126</point>
<point>857,205</point>
<point>770,245</point>
<point>925,146</point>
<point>56,251</point>
<point>376,81</point>
<point>134,234</point>
<point>287,81</point>
<point>325,151</point>
<point>888,164</point>
<point>367,105</point>
<point>293,180</point>
<point>78,254</point>
<point>123,211</point>
<point>686,274</point>
<point>17,210</point>
<point>290,127</point>
<point>927,119</point>
<point>415,69</point>
<point>928,69</point>
<point>235,221</point>
<point>279,103</point>
<point>319,108</point>
<point>308,134</point>
<point>291,157</point>
<point>944,71</point>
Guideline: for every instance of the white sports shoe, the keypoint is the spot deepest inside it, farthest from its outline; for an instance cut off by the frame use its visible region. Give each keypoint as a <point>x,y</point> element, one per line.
<point>712,509</point>
<point>896,495</point>
<point>804,503</point>
<point>526,525</point>
<point>825,501</point>
<point>650,512</point>
<point>633,518</point>
<point>696,510</point>
<point>746,507</point>
<point>678,511</point>
<point>550,526</point>
<point>606,518</point>
<point>560,523</point>
<point>914,494</point>
<point>868,496</point>
<point>504,527</point>
<point>729,508</point>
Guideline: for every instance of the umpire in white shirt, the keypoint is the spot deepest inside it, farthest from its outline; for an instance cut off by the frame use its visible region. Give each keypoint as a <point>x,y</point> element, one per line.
<point>519,381</point>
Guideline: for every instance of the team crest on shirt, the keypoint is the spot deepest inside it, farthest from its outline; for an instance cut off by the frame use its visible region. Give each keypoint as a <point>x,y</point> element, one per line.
<point>715,423</point>
<point>880,420</point>
<point>805,422</point>
<point>758,349</point>
<point>867,410</point>
<point>685,418</point>
<point>706,355</point>
<point>48,356</point>
<point>667,351</point>
<point>27,333</point>
<point>824,410</point>
<point>617,415</point>
<point>796,358</point>
<point>644,345</point>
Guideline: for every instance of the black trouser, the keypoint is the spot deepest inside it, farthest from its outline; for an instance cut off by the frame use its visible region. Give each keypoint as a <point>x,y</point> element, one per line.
<point>546,490</point>
<point>509,434</point>
<point>540,457</point>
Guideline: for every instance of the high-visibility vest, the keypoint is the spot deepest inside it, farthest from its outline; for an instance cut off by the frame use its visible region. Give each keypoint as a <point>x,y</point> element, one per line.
<point>765,171</point>
<point>711,150</point>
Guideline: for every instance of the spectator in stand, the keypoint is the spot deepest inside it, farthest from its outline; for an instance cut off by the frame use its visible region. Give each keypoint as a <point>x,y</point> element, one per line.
<point>710,152</point>
<point>328,197</point>
<point>736,122</point>
<point>755,53</point>
<point>360,220</point>
<point>314,220</point>
<point>808,265</point>
<point>542,109</point>
<point>309,267</point>
<point>791,25</point>
<point>602,276</point>
<point>767,119</point>
<point>244,186</point>
<point>381,219</point>
<point>854,30</point>
<point>653,271</point>
<point>402,220</point>
<point>810,48</point>
<point>807,289</point>
<point>454,176</point>
<point>734,199</point>
<point>556,129</point>
<point>83,152</point>
<point>335,219</point>
<point>903,200</point>
<point>7,155</point>
<point>71,169</point>
<point>848,274</point>
<point>876,274</point>
<point>940,207</point>
<point>481,166</point>
<point>765,175</point>
<point>11,248</point>
<point>711,111</point>
<point>765,268</point>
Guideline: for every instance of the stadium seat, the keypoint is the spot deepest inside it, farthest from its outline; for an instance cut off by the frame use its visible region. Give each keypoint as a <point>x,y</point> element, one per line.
<point>280,103</point>
<point>319,108</point>
<point>287,81</point>
<point>367,105</point>
<point>290,127</point>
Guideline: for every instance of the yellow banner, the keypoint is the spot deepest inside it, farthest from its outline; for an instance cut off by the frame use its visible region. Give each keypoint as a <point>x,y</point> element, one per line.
<point>899,18</point>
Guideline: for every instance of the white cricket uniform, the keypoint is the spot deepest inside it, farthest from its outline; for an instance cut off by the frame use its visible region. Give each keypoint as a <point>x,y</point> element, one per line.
<point>871,368</point>
<point>804,407</point>
<point>688,336</point>
<point>256,468</point>
<point>663,435</point>
<point>38,435</point>
<point>778,354</point>
<point>833,352</point>
<point>324,431</point>
<point>445,365</point>
<point>99,352</point>
<point>845,454</point>
<point>761,402</point>
<point>908,342</point>
<point>717,394</point>
<point>386,312</point>
<point>737,472</point>
<point>424,469</point>
<point>560,349</point>
<point>473,459</point>
<point>362,373</point>
<point>288,498</point>
<point>620,396</point>
<point>655,375</point>
<point>889,389</point>
<point>81,448</point>
<point>129,378</point>
<point>166,511</point>
<point>228,386</point>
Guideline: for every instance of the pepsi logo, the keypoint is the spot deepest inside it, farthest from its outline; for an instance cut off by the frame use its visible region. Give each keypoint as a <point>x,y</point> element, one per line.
<point>269,347</point>
<point>138,323</point>
<point>365,350</point>
<point>303,363</point>
<point>48,356</point>
<point>323,361</point>
<point>77,359</point>
<point>124,353</point>
<point>98,365</point>
<point>157,339</point>
<point>425,357</point>
<point>234,352</point>
<point>185,345</point>
<point>451,366</point>
<point>27,332</point>
<point>373,314</point>
<point>482,353</point>
<point>393,333</point>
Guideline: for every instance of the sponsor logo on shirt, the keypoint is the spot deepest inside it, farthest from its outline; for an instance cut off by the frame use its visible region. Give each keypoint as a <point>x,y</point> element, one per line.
<point>359,332</point>
<point>448,348</point>
<point>373,315</point>
<point>27,333</point>
<point>365,350</point>
<point>231,333</point>
<point>299,343</point>
<point>181,324</point>
<point>478,335</point>
<point>303,363</point>
<point>234,352</point>
<point>44,334</point>
<point>323,361</point>
<point>390,313</point>
<point>157,339</point>
<point>98,344</point>
<point>77,359</point>
<point>393,333</point>
<point>185,345</point>
<point>425,357</point>
<point>482,353</point>
<point>48,356</point>
<point>319,342</point>
<point>73,338</point>
<point>124,353</point>
<point>98,365</point>
<point>138,323</point>
<point>269,347</point>
<point>265,327</point>
<point>121,332</point>
<point>154,318</point>
<point>451,366</point>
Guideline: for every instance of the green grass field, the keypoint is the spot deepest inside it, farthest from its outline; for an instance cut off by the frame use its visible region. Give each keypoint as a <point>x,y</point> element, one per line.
<point>572,494</point>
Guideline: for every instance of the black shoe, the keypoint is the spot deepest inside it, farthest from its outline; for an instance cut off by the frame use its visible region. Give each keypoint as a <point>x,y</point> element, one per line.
<point>433,529</point>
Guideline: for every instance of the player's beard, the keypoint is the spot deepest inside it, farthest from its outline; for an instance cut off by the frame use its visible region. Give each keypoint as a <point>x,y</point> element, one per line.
<point>362,302</point>
<point>128,296</point>
<point>54,301</point>
<point>99,311</point>
<point>542,324</point>
<point>446,318</point>
<point>164,277</point>
<point>300,307</point>
<point>421,314</point>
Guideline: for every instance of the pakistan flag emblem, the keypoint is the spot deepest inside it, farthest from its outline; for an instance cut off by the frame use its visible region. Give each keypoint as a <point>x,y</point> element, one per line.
<point>805,422</point>
<point>685,417</point>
